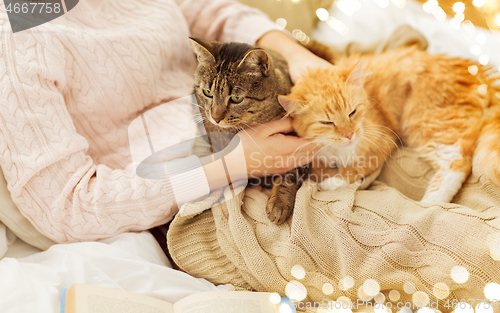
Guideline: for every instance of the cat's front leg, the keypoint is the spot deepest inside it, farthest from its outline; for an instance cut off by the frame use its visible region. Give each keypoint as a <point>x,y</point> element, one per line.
<point>282,199</point>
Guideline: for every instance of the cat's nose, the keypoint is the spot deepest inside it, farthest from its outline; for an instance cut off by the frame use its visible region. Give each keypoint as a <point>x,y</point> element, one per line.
<point>349,136</point>
<point>217,120</point>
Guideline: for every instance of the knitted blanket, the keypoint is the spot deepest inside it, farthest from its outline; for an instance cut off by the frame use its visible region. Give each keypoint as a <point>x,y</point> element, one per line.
<point>377,243</point>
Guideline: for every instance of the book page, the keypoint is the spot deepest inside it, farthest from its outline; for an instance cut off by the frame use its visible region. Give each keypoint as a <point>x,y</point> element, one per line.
<point>226,302</point>
<point>94,299</point>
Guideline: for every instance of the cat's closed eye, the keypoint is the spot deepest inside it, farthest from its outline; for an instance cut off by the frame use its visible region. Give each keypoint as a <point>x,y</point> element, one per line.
<point>352,113</point>
<point>208,93</point>
<point>237,99</point>
<point>327,123</point>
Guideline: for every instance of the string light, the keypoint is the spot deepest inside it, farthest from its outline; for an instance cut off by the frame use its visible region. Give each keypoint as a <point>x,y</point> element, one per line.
<point>281,23</point>
<point>484,59</point>
<point>337,25</point>
<point>459,7</point>
<point>478,3</point>
<point>348,7</point>
<point>322,14</point>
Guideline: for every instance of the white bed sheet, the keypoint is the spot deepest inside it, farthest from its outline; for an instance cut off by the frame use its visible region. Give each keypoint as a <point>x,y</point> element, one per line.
<point>132,262</point>
<point>31,281</point>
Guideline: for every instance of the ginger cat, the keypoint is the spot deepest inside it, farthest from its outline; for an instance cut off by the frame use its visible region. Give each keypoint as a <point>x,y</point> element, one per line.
<point>361,110</point>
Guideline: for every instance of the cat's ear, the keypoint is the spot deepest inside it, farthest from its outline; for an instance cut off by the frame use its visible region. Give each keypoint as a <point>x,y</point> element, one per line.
<point>357,75</point>
<point>201,49</point>
<point>290,105</point>
<point>257,61</point>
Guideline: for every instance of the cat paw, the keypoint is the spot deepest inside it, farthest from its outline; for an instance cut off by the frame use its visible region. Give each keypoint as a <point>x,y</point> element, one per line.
<point>332,183</point>
<point>279,211</point>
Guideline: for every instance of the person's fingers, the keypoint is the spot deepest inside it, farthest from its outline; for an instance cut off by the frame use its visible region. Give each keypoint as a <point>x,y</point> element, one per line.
<point>278,126</point>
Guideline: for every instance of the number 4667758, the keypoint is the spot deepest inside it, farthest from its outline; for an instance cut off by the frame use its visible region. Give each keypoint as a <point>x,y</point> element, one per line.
<point>33,8</point>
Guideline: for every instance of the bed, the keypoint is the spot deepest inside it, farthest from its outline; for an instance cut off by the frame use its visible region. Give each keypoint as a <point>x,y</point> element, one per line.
<point>31,279</point>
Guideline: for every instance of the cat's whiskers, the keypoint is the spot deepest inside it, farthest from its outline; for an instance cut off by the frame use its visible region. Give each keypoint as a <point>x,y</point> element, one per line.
<point>244,130</point>
<point>397,136</point>
<point>307,143</point>
<point>388,146</point>
<point>376,146</point>
<point>248,126</point>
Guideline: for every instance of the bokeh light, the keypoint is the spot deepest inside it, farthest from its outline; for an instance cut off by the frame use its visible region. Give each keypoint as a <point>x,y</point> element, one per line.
<point>362,294</point>
<point>492,291</point>
<point>379,298</point>
<point>421,298</point>
<point>459,7</point>
<point>394,295</point>
<point>409,287</point>
<point>281,23</point>
<point>322,14</point>
<point>337,25</point>
<point>295,291</point>
<point>484,59</point>
<point>298,272</point>
<point>478,3</point>
<point>348,7</point>
<point>459,274</point>
<point>275,298</point>
<point>441,291</point>
<point>371,287</point>
<point>483,89</point>
<point>473,69</point>
<point>346,283</point>
<point>327,289</point>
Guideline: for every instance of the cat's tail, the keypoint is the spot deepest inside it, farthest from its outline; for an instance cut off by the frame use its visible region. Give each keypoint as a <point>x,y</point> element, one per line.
<point>487,153</point>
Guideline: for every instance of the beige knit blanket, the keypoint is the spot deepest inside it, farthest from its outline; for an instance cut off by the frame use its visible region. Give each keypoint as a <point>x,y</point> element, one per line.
<point>354,243</point>
<point>346,238</point>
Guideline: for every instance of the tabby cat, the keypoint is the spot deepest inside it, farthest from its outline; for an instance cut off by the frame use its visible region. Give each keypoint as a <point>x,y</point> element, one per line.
<point>360,110</point>
<point>236,87</point>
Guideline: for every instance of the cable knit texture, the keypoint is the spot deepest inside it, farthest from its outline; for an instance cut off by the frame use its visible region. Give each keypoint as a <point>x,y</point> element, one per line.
<point>70,88</point>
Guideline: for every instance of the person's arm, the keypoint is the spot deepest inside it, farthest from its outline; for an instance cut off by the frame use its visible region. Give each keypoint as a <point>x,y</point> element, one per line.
<point>225,20</point>
<point>62,191</point>
<point>299,59</point>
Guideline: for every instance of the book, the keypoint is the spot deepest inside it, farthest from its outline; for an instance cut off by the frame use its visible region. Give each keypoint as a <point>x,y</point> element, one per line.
<point>82,298</point>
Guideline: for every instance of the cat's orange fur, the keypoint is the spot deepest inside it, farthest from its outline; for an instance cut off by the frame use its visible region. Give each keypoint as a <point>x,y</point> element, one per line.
<point>431,101</point>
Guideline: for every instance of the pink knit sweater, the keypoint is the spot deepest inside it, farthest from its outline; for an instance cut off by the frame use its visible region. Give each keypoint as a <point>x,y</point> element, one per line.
<point>69,90</point>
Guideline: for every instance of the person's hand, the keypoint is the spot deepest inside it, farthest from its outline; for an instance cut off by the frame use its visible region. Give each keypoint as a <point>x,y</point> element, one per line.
<point>300,60</point>
<point>303,61</point>
<point>268,151</point>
